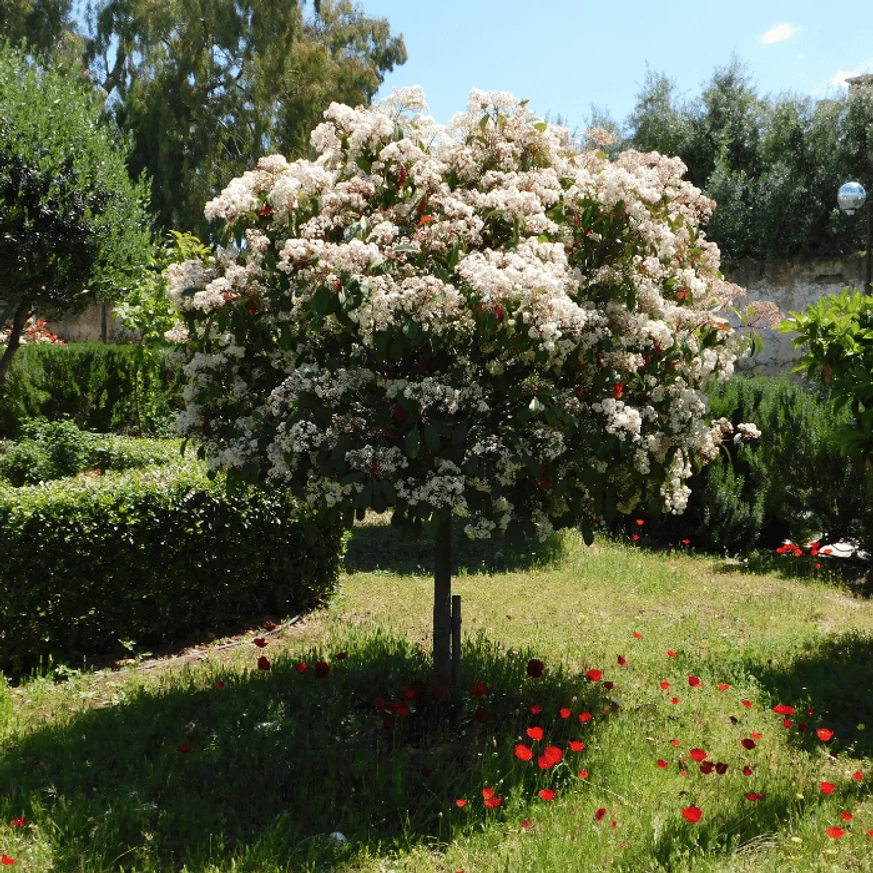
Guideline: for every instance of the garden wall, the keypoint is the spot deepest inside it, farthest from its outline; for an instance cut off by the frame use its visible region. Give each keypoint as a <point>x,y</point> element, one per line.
<point>792,286</point>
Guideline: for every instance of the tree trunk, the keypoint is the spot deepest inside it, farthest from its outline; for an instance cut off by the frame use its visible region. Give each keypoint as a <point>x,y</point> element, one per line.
<point>18,322</point>
<point>442,603</point>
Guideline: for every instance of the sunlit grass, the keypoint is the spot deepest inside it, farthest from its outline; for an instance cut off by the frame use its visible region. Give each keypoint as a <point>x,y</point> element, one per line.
<point>278,760</point>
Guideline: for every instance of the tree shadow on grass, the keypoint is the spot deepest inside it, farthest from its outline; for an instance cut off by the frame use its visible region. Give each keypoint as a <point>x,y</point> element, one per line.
<point>211,767</point>
<point>376,545</point>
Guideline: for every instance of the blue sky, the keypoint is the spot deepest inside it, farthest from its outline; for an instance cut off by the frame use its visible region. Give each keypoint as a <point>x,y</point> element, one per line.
<point>564,55</point>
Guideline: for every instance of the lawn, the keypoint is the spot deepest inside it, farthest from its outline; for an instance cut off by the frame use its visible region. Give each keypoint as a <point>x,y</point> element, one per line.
<point>674,661</point>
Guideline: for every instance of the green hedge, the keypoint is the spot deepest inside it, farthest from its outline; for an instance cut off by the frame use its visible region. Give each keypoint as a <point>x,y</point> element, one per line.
<point>792,483</point>
<point>146,555</point>
<point>123,388</point>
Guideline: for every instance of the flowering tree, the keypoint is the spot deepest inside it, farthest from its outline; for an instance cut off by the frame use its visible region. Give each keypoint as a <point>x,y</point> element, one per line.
<point>477,319</point>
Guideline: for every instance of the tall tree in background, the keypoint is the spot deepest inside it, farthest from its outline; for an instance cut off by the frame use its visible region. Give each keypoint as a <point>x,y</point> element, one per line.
<point>205,88</point>
<point>43,26</point>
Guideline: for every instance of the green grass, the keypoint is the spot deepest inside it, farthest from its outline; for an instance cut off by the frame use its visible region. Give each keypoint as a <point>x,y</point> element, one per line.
<point>278,760</point>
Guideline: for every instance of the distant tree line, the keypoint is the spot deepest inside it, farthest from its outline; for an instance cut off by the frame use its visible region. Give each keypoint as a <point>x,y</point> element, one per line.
<point>772,164</point>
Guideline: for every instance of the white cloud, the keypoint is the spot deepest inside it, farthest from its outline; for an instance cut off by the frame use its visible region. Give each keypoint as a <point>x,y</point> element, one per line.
<point>779,33</point>
<point>838,80</point>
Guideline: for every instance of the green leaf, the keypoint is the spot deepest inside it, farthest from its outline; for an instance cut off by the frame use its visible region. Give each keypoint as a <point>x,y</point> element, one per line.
<point>431,438</point>
<point>412,443</point>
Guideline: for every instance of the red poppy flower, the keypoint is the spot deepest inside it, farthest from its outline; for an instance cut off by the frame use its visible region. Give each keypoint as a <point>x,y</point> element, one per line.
<point>219,684</point>
<point>322,668</point>
<point>19,822</point>
<point>674,742</point>
<point>525,825</point>
<point>478,689</point>
<point>846,816</point>
<point>260,642</point>
<point>340,656</point>
<point>662,764</point>
<point>598,816</point>
<point>564,712</point>
<point>686,542</point>
<point>302,667</point>
<point>269,626</point>
<point>665,685</point>
<point>721,768</point>
<point>824,734</point>
<point>523,752</point>
<point>746,703</point>
<point>547,794</point>
<point>460,803</point>
<point>670,654</point>
<point>6,860</point>
<point>621,661</point>
<point>594,675</point>
<point>401,710</point>
<point>636,537</point>
<point>786,723</point>
<point>617,390</point>
<point>584,717</point>
<point>637,635</point>
<point>388,722</point>
<point>674,700</point>
<point>583,774</point>
<point>857,775</point>
<point>747,743</point>
<point>426,771</point>
<point>380,703</point>
<point>535,733</point>
<point>692,813</point>
<point>698,755</point>
<point>553,755</point>
<point>707,767</point>
<point>576,746</point>
<point>747,771</point>
<point>694,682</point>
<point>487,792</point>
<point>809,713</point>
<point>535,709</point>
<point>492,802</point>
<point>438,692</point>
<point>264,664</point>
<point>755,736</point>
<point>535,668</point>
<point>184,748</point>
<point>754,796</point>
<point>803,727</point>
<point>641,521</point>
<point>783,709</point>
<point>410,693</point>
<point>817,567</point>
<point>482,715</point>
<point>723,686</point>
<point>835,833</point>
<point>827,787</point>
<point>608,686</point>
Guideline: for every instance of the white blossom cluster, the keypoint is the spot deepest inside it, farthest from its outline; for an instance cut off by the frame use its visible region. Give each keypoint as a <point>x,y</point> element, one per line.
<point>476,317</point>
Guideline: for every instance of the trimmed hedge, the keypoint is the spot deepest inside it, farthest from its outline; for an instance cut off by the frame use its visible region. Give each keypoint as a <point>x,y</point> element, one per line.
<point>147,555</point>
<point>123,388</point>
<point>50,450</point>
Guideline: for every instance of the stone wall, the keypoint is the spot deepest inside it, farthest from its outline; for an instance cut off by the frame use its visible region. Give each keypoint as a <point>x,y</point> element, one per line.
<point>95,324</point>
<point>792,286</point>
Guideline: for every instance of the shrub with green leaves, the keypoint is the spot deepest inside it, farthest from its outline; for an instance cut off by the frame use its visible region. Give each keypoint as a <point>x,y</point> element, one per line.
<point>122,388</point>
<point>792,483</point>
<point>147,555</point>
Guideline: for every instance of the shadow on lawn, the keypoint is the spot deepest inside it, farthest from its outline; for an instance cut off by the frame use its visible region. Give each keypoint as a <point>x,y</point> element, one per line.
<point>190,773</point>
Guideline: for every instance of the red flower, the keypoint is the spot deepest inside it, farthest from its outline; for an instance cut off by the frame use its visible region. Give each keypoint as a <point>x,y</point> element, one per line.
<point>380,703</point>
<point>401,710</point>
<point>184,748</point>
<point>747,743</point>
<point>694,682</point>
<point>523,752</point>
<point>637,635</point>
<point>478,689</point>
<point>692,813</point>
<point>482,715</point>
<point>665,685</point>
<point>564,712</point>
<point>492,802</point>
<point>487,792</point>
<point>424,219</point>
<point>600,813</point>
<point>219,684</point>
<point>594,675</point>
<point>827,787</point>
<point>264,664</point>
<point>584,717</point>
<point>835,833</point>
<point>846,816</point>
<point>552,755</point>
<point>809,713</point>
<point>786,723</point>
<point>525,825</point>
<point>426,771</point>
<point>535,709</point>
<point>721,768</point>
<point>535,668</point>
<point>547,794</point>
<point>641,521</point>
<point>576,746</point>
<point>583,774</point>
<point>697,755</point>
<point>410,693</point>
<point>322,668</point>
<point>636,537</point>
<point>621,661</point>
<point>535,733</point>
<point>269,626</point>
<point>707,767</point>
<point>340,656</point>
<point>723,686</point>
<point>824,734</point>
<point>755,735</point>
<point>617,390</point>
<point>754,796</point>
<point>747,771</point>
<point>674,700</point>
<point>19,822</point>
<point>746,703</point>
<point>301,668</point>
<point>670,654</point>
<point>6,860</point>
<point>857,775</point>
<point>460,803</point>
<point>608,686</point>
<point>388,722</point>
<point>260,642</point>
<point>662,764</point>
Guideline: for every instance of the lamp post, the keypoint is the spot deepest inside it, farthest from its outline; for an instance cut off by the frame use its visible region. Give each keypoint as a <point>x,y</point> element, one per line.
<point>851,197</point>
